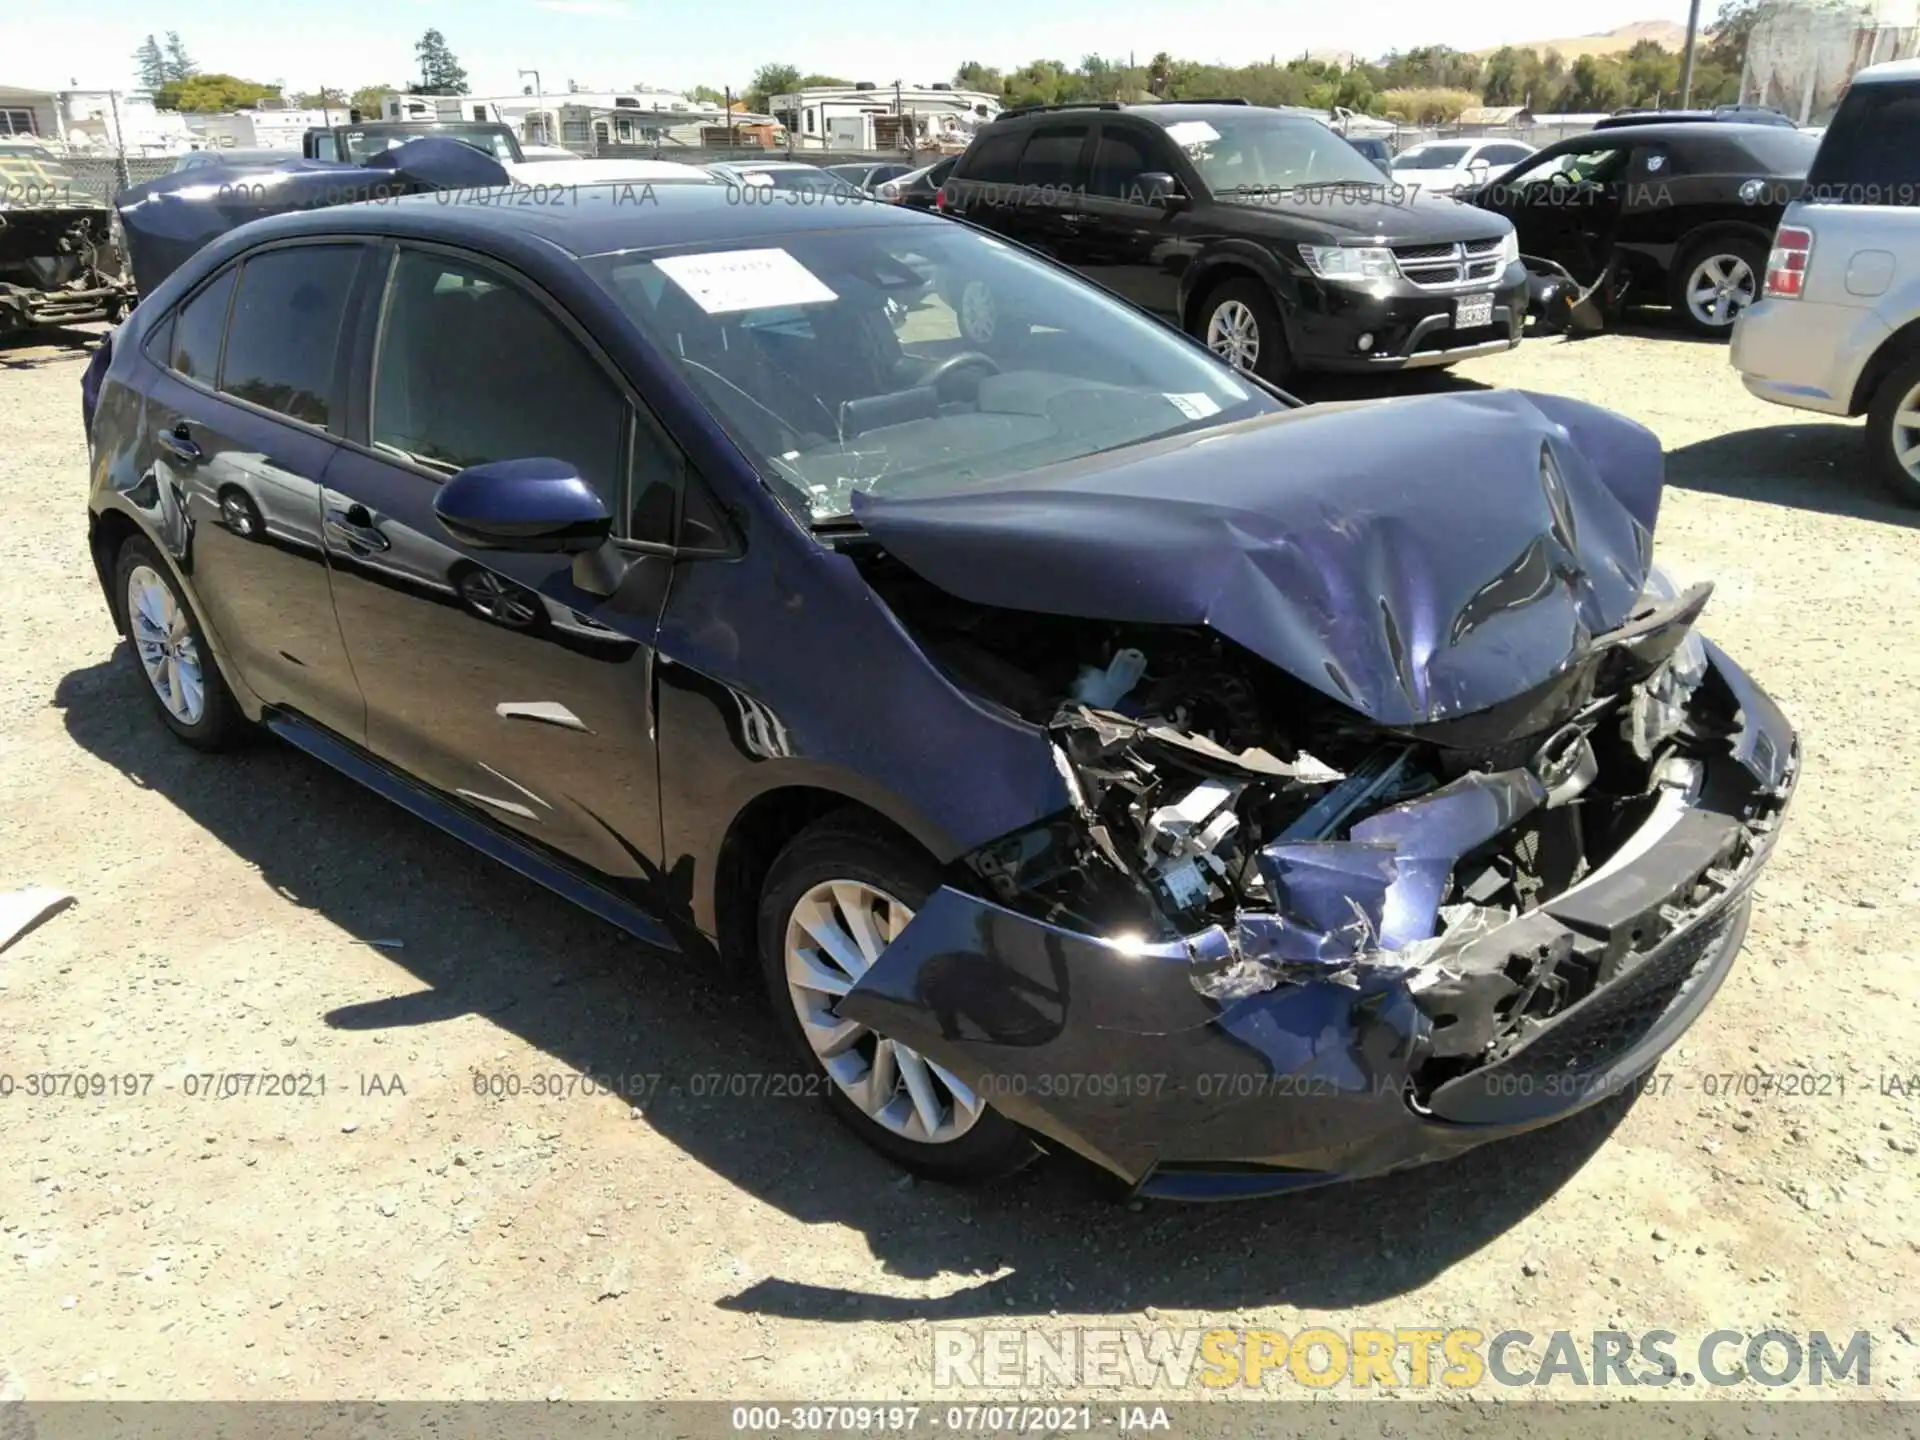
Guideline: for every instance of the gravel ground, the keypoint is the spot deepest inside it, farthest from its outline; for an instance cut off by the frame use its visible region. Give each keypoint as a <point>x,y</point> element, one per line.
<point>401,1236</point>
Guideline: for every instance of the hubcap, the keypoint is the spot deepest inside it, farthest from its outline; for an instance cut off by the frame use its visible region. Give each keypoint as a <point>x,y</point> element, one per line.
<point>499,600</point>
<point>238,515</point>
<point>1720,287</point>
<point>165,645</point>
<point>835,933</point>
<point>1234,335</point>
<point>1906,433</point>
<point>976,312</point>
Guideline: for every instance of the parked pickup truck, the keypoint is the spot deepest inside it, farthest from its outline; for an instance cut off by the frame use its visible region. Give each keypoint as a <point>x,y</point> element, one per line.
<point>359,141</point>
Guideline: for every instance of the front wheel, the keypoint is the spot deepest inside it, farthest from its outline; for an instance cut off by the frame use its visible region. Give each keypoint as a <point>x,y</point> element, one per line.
<point>1893,430</point>
<point>181,675</point>
<point>1716,282</point>
<point>1239,322</point>
<point>835,898</point>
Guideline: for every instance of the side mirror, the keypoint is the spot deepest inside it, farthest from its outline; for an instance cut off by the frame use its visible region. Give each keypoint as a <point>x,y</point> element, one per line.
<point>1157,187</point>
<point>537,506</point>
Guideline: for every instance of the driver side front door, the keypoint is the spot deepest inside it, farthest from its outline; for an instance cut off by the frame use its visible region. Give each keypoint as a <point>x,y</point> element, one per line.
<point>491,675</point>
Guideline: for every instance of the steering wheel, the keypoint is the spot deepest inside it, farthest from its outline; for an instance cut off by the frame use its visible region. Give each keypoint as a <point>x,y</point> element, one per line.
<point>940,373</point>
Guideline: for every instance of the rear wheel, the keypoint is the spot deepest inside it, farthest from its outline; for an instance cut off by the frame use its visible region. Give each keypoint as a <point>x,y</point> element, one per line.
<point>1239,322</point>
<point>833,901</point>
<point>173,655</point>
<point>1893,430</point>
<point>1716,282</point>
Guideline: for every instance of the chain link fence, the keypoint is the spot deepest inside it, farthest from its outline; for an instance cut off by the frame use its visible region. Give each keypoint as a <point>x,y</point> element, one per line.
<point>99,178</point>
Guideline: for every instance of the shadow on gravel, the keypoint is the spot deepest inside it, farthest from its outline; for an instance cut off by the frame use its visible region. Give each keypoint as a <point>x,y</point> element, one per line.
<point>1818,466</point>
<point>30,349</point>
<point>485,941</point>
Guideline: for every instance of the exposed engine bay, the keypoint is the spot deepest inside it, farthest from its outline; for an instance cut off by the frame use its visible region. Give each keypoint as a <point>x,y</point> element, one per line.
<point>1289,839</point>
<point>59,263</point>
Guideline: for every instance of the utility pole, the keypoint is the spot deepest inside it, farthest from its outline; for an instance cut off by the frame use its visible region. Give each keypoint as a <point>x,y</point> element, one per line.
<point>1686,61</point>
<point>121,178</point>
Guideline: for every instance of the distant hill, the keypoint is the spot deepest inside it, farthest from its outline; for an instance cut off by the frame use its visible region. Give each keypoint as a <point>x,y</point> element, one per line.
<point>1612,42</point>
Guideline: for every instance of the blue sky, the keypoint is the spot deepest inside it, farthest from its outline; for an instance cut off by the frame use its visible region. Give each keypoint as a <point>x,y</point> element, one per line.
<point>677,43</point>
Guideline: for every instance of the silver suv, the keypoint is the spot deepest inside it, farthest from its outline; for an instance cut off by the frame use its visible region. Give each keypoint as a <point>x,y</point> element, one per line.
<point>1838,326</point>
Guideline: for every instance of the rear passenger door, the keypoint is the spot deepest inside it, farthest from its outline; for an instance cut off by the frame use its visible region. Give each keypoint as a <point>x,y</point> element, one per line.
<point>491,675</point>
<point>241,423</point>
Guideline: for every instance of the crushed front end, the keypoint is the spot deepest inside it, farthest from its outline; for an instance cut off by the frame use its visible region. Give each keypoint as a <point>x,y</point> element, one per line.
<point>1276,944</point>
<point>60,263</point>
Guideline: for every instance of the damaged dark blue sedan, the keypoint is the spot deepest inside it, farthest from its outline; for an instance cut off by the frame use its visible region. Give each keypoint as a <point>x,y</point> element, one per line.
<point>1088,745</point>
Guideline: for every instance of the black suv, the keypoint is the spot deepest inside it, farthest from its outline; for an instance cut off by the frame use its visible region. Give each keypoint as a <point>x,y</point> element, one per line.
<point>1263,233</point>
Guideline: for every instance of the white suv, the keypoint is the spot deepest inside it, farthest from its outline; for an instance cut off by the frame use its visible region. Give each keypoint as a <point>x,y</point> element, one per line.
<point>1838,326</point>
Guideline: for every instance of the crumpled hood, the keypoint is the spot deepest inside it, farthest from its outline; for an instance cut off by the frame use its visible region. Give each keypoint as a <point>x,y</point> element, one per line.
<point>1414,559</point>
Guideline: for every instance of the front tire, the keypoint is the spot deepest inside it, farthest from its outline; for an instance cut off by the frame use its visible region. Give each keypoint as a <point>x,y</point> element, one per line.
<point>175,661</point>
<point>1716,282</point>
<point>834,899</point>
<point>1239,322</point>
<point>1893,430</point>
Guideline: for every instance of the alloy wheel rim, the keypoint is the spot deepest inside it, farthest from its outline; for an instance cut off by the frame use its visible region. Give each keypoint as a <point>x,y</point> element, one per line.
<point>835,933</point>
<point>164,641</point>
<point>497,599</point>
<point>1720,287</point>
<point>239,518</point>
<point>976,312</point>
<point>1234,335</point>
<point>1906,433</point>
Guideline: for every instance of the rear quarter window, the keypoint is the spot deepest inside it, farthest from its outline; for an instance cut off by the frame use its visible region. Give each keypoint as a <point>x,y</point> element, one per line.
<point>1870,154</point>
<point>196,330</point>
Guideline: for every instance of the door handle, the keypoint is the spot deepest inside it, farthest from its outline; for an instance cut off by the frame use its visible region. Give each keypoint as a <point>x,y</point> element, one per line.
<point>180,443</point>
<point>355,526</point>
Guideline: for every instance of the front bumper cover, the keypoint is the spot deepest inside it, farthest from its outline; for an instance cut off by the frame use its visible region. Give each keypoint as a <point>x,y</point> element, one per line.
<point>1106,1046</point>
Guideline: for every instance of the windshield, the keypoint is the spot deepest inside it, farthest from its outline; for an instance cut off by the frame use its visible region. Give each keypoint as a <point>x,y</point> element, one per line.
<point>906,359</point>
<point>361,144</point>
<point>1432,157</point>
<point>1261,151</point>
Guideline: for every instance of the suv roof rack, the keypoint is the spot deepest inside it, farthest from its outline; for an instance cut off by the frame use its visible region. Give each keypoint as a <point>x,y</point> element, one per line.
<point>1205,100</point>
<point>1060,105</point>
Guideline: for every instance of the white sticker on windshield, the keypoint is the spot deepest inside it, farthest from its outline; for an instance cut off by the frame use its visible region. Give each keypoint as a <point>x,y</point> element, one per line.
<point>1197,405</point>
<point>724,282</point>
<point>1191,132</point>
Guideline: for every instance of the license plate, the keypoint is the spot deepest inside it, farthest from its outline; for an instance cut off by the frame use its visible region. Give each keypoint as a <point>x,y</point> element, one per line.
<point>1472,311</point>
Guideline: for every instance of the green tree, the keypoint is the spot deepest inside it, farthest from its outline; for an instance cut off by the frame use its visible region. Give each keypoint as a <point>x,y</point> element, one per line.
<point>326,97</point>
<point>975,76</point>
<point>1596,83</point>
<point>807,82</point>
<point>440,72</point>
<point>368,97</point>
<point>768,81</point>
<point>205,94</point>
<point>178,65</point>
<point>707,93</point>
<point>151,63</point>
<point>1160,73</point>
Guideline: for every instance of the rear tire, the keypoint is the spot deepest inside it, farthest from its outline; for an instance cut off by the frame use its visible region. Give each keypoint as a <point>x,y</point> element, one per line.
<point>1240,323</point>
<point>846,876</point>
<point>1717,277</point>
<point>1893,430</point>
<point>177,668</point>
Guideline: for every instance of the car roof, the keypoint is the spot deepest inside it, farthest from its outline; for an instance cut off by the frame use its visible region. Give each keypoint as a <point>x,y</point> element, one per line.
<point>1888,72</point>
<point>762,165</point>
<point>596,220</point>
<point>1670,130</point>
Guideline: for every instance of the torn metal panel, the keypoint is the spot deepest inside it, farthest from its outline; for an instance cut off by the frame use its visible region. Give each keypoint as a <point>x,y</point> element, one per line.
<point>1328,541</point>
